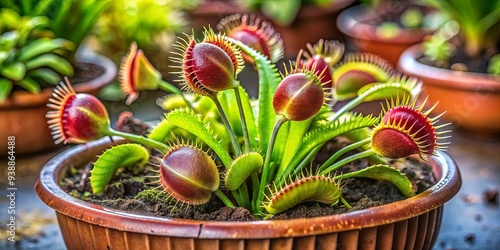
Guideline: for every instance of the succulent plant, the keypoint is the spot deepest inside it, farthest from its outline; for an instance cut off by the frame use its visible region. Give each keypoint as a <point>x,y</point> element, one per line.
<point>27,61</point>
<point>67,19</point>
<point>479,22</point>
<point>478,28</point>
<point>264,145</point>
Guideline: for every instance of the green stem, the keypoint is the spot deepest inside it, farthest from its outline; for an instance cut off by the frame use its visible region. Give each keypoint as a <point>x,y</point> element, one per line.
<point>350,105</point>
<point>342,151</point>
<point>223,116</point>
<point>244,195</point>
<point>299,167</point>
<point>280,120</point>
<point>347,160</point>
<point>224,199</point>
<point>243,120</point>
<point>345,202</point>
<point>255,189</point>
<point>168,87</point>
<point>236,195</point>
<point>139,139</point>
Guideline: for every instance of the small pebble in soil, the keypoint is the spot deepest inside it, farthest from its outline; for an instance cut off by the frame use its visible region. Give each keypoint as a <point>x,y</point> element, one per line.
<point>470,238</point>
<point>459,67</point>
<point>491,195</point>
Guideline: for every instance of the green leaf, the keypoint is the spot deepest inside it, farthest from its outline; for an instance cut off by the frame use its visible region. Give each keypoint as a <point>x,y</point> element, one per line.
<point>41,7</point>
<point>30,85</point>
<point>161,131</point>
<point>312,188</point>
<point>282,12</point>
<point>186,119</point>
<point>42,46</point>
<point>228,100</point>
<point>14,71</point>
<point>5,89</point>
<point>297,132</point>
<point>322,134</point>
<point>269,79</point>
<point>241,168</point>
<point>359,135</point>
<point>384,173</point>
<point>123,155</point>
<point>280,143</point>
<point>54,62</point>
<point>3,55</point>
<point>89,15</point>
<point>394,86</point>
<point>46,75</point>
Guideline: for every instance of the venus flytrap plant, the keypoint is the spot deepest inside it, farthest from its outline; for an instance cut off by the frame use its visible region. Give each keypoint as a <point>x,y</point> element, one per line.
<point>263,146</point>
<point>137,74</point>
<point>253,32</point>
<point>80,118</point>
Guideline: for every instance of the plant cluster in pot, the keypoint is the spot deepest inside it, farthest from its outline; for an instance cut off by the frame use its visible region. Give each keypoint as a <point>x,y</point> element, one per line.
<point>37,48</point>
<point>243,159</point>
<point>388,27</point>
<point>460,66</point>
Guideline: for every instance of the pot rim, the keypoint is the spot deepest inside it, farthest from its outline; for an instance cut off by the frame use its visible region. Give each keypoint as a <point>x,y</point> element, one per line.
<point>49,191</point>
<point>352,22</point>
<point>25,100</point>
<point>451,79</point>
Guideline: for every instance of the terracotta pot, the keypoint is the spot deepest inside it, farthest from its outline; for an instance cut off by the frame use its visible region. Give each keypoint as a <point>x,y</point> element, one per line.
<point>23,114</point>
<point>211,12</point>
<point>409,224</point>
<point>358,24</point>
<point>471,100</point>
<point>311,24</point>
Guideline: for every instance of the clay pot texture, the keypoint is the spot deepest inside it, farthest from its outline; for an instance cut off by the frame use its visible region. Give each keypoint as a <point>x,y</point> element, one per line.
<point>356,24</point>
<point>23,114</point>
<point>471,100</point>
<point>408,224</point>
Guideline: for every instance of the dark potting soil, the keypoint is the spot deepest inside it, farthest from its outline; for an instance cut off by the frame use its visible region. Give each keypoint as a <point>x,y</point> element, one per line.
<point>136,190</point>
<point>459,59</point>
<point>85,71</point>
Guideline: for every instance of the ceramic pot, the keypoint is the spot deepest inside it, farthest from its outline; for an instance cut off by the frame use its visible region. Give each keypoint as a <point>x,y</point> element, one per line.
<point>408,224</point>
<point>23,114</point>
<point>471,100</point>
<point>209,13</point>
<point>359,24</point>
<point>311,24</point>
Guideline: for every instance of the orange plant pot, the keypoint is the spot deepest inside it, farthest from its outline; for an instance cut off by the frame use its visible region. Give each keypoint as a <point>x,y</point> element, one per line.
<point>311,24</point>
<point>408,224</point>
<point>23,114</point>
<point>471,100</point>
<point>355,23</point>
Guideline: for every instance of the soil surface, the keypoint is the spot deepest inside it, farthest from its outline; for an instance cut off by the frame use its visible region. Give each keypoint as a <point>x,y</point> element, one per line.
<point>85,71</point>
<point>461,62</point>
<point>136,190</point>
